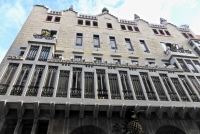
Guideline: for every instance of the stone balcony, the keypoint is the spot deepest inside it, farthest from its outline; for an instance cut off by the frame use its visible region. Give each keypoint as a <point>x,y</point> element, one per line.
<point>38,38</point>
<point>179,53</point>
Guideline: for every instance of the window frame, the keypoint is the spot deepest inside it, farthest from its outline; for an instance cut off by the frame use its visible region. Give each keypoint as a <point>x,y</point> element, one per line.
<point>95,25</point>
<point>78,57</point>
<point>147,51</point>
<point>109,25</point>
<point>47,19</point>
<point>55,20</point>
<point>113,38</point>
<point>130,28</point>
<point>131,45</point>
<point>123,27</point>
<point>94,46</point>
<point>78,36</point>
<point>155,31</point>
<point>80,21</point>
<point>87,22</point>
<point>136,29</point>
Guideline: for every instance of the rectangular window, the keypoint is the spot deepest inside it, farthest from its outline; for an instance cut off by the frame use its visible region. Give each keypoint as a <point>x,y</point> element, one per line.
<point>79,38</point>
<point>7,77</point>
<point>96,41</point>
<point>98,59</point>
<point>113,43</point>
<point>161,32</point>
<point>101,82</point>
<point>62,87</point>
<point>76,83</point>
<point>95,23</point>
<point>21,80</point>
<point>123,27</point>
<point>197,65</point>
<point>77,58</point>
<point>89,85</point>
<point>130,28</point>
<point>190,65</point>
<point>182,64</point>
<point>35,82</point>
<point>21,53</point>
<point>57,19</point>
<point>185,35</point>
<point>87,22</point>
<point>32,53</point>
<point>136,29</point>
<point>155,31</point>
<point>109,25</point>
<point>167,32</point>
<point>114,87</point>
<point>134,61</point>
<point>49,82</point>
<point>117,61</point>
<point>144,46</point>
<point>151,63</point>
<point>80,22</point>
<point>191,36</point>
<point>44,54</point>
<point>57,56</point>
<point>49,18</point>
<point>129,45</point>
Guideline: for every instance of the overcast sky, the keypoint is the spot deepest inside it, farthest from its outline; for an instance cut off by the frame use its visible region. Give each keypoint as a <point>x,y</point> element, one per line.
<point>14,13</point>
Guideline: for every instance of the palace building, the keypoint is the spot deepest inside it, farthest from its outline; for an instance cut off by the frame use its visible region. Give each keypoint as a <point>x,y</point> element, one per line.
<point>73,73</point>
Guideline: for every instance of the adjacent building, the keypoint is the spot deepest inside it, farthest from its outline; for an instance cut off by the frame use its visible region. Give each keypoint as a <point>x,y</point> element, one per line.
<point>70,73</point>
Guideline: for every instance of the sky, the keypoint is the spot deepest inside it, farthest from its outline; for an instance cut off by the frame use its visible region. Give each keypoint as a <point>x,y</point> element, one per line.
<point>14,13</point>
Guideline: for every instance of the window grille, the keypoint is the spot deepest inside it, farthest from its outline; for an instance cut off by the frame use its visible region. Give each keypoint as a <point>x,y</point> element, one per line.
<point>7,77</point>
<point>26,128</point>
<point>76,83</point>
<point>195,83</point>
<point>125,85</point>
<point>21,80</point>
<point>159,88</point>
<point>190,65</point>
<point>170,90</point>
<point>184,67</point>
<point>63,84</point>
<point>197,65</point>
<point>35,82</point>
<point>179,89</point>
<point>89,85</point>
<point>114,87</point>
<point>149,90</point>
<point>101,81</point>
<point>32,53</point>
<point>189,89</point>
<point>49,82</point>
<point>137,87</point>
<point>44,54</point>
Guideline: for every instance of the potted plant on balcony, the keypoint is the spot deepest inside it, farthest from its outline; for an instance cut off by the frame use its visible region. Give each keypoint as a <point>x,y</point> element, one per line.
<point>45,33</point>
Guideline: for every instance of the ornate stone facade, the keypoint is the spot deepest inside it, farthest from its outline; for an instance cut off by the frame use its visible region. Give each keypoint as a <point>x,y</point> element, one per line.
<point>70,73</point>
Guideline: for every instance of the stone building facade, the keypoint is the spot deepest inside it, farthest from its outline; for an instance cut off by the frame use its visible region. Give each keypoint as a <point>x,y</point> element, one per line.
<point>71,73</point>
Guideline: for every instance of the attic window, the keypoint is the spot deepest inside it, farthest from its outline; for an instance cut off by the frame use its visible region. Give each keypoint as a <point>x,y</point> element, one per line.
<point>49,18</point>
<point>109,25</point>
<point>87,23</point>
<point>130,28</point>
<point>161,32</point>
<point>123,27</point>
<point>136,29</point>
<point>155,31</point>
<point>57,19</point>
<point>95,23</point>
<point>185,35</point>
<point>80,22</point>
<point>191,36</point>
<point>167,32</point>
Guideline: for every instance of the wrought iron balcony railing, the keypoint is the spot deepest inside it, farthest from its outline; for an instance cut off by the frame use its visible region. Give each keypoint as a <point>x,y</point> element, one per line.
<point>75,93</point>
<point>47,92</point>
<point>180,51</point>
<point>32,91</point>
<point>3,89</point>
<point>17,90</point>
<point>39,36</point>
<point>102,93</point>
<point>151,95</point>
<point>128,95</point>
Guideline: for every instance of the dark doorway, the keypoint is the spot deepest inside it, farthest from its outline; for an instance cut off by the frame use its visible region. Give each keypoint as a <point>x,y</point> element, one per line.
<point>169,130</point>
<point>88,129</point>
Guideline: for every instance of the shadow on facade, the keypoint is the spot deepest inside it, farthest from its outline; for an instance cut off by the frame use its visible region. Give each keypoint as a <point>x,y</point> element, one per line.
<point>169,130</point>
<point>88,129</point>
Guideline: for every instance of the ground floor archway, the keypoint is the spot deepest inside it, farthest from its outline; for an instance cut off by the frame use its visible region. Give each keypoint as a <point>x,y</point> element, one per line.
<point>169,130</point>
<point>88,129</point>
